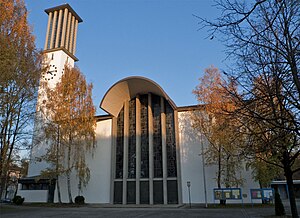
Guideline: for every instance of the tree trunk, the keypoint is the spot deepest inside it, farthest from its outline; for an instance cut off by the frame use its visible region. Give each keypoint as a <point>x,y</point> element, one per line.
<point>68,175</point>
<point>58,190</point>
<point>219,168</point>
<point>2,188</point>
<point>222,201</point>
<point>57,167</point>
<point>289,179</point>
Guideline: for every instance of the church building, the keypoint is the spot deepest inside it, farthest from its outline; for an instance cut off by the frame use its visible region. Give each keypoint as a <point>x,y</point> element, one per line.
<point>147,151</point>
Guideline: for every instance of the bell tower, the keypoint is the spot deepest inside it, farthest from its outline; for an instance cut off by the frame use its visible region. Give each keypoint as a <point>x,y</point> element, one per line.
<point>60,47</point>
<point>60,43</point>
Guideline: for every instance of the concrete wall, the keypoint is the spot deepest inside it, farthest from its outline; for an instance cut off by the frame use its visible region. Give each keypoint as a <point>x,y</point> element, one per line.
<point>192,167</point>
<point>33,195</point>
<point>98,188</point>
<point>40,145</point>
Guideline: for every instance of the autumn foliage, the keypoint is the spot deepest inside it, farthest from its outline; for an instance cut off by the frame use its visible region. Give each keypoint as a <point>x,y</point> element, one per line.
<point>71,125</point>
<point>214,122</point>
<point>20,68</point>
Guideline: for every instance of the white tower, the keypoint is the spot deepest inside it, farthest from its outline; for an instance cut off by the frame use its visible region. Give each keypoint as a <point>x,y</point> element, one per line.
<point>60,43</point>
<point>60,46</point>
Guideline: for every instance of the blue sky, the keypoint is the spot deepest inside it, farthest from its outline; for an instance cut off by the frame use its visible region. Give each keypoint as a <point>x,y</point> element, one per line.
<point>157,39</point>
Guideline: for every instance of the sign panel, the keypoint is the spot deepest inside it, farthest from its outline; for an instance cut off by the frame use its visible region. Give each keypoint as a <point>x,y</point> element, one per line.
<point>227,193</point>
<point>256,193</point>
<point>263,193</point>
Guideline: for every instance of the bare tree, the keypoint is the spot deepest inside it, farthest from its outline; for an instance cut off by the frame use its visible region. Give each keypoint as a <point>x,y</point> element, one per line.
<point>264,37</point>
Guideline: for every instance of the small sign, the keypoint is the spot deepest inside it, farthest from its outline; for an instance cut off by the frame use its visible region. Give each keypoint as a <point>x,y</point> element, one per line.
<point>263,193</point>
<point>256,194</point>
<point>227,193</point>
<point>218,194</point>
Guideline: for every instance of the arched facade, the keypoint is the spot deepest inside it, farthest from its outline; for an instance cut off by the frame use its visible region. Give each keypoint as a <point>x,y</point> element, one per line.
<point>145,163</point>
<point>147,150</point>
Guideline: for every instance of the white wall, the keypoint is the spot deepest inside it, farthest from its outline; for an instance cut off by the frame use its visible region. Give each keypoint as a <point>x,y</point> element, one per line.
<point>98,188</point>
<point>192,167</point>
<point>40,145</point>
<point>33,195</point>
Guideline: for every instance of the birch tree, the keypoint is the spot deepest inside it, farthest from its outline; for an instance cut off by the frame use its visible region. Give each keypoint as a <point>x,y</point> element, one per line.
<point>71,126</point>
<point>213,121</point>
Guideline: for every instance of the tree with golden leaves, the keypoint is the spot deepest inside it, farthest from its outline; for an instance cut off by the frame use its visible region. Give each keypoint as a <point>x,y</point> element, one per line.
<point>20,68</point>
<point>213,122</point>
<point>262,38</point>
<point>71,126</point>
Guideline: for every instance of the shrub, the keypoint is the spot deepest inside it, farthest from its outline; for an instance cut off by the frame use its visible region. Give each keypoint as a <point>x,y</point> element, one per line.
<point>279,208</point>
<point>79,199</point>
<point>18,200</point>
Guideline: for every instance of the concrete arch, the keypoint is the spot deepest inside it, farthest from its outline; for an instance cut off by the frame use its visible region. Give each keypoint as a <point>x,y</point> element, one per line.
<point>126,89</point>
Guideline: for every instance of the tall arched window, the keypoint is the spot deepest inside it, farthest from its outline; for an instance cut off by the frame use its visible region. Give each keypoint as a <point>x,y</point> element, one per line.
<point>145,152</point>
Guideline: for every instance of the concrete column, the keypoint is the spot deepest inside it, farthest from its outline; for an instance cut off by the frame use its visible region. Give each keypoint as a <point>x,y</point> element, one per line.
<point>58,33</point>
<point>72,34</point>
<point>48,30</point>
<point>138,148</point>
<point>75,37</point>
<point>151,165</point>
<point>113,157</point>
<point>53,30</point>
<point>63,32</point>
<point>125,155</point>
<point>164,147</point>
<point>68,31</point>
<point>178,161</point>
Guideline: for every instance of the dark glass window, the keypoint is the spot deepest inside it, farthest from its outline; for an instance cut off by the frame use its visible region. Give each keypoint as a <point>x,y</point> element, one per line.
<point>144,137</point>
<point>158,192</point>
<point>35,186</point>
<point>172,192</point>
<point>144,192</point>
<point>170,141</point>
<point>157,148</point>
<point>120,145</point>
<point>132,140</point>
<point>131,192</point>
<point>118,192</point>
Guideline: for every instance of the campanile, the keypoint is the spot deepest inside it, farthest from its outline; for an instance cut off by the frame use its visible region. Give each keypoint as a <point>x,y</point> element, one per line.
<point>60,43</point>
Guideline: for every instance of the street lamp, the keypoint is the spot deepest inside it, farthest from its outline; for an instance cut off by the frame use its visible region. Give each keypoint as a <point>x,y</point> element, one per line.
<point>188,183</point>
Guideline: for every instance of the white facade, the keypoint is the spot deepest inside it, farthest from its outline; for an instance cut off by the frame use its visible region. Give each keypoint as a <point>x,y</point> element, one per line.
<point>100,163</point>
<point>56,60</point>
<point>98,189</point>
<point>190,142</point>
<point>158,119</point>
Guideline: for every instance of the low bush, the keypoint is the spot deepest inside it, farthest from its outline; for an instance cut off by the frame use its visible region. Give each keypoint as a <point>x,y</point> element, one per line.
<point>18,200</point>
<point>79,199</point>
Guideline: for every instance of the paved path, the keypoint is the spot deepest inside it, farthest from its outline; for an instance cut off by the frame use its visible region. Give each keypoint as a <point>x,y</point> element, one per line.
<point>103,210</point>
<point>87,212</point>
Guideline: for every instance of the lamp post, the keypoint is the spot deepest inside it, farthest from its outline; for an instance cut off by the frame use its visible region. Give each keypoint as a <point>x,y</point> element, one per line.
<point>188,183</point>
<point>203,169</point>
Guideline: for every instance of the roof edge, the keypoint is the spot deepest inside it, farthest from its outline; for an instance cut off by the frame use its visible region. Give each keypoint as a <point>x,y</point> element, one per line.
<point>63,6</point>
<point>165,95</point>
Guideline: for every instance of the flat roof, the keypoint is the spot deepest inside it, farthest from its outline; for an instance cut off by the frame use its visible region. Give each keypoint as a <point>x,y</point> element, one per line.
<point>63,6</point>
<point>283,182</point>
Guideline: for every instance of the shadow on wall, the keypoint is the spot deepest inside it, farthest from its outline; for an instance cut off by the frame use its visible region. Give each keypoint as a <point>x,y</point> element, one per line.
<point>190,138</point>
